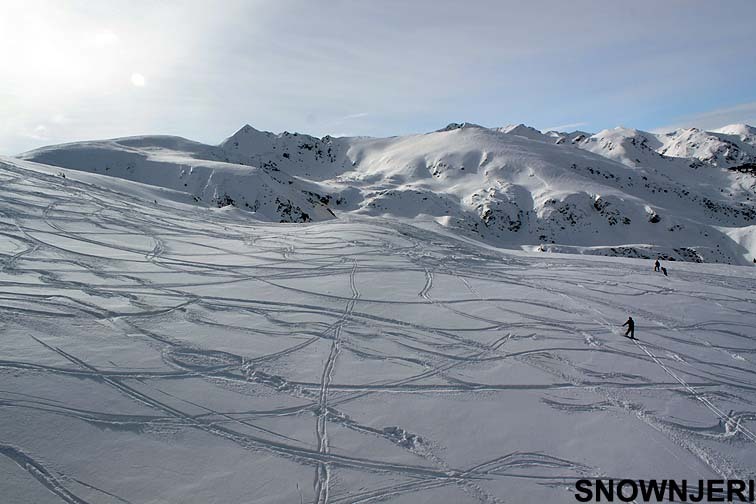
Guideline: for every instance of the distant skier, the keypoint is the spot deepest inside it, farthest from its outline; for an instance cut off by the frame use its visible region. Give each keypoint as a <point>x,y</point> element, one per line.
<point>657,265</point>
<point>664,270</point>
<point>630,328</point>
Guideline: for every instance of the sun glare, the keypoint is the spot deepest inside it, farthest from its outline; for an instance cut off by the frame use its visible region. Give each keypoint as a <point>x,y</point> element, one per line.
<point>104,38</point>
<point>138,80</point>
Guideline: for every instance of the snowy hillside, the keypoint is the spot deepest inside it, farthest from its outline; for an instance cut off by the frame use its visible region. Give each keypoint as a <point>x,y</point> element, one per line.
<point>733,146</point>
<point>182,165</point>
<point>687,195</point>
<point>158,349</point>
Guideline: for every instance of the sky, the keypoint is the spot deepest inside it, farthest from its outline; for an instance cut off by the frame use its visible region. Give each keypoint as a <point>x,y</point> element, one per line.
<point>75,70</point>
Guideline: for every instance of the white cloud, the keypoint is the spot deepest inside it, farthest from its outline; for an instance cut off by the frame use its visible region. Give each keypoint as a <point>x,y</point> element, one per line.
<point>39,132</point>
<point>566,127</point>
<point>60,119</point>
<point>375,68</point>
<point>354,116</point>
<point>713,119</point>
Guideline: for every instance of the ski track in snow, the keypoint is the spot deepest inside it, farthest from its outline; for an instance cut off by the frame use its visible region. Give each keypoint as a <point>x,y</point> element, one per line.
<point>119,317</point>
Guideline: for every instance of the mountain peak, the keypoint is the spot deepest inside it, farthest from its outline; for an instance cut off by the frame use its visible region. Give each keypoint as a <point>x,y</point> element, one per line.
<point>741,130</point>
<point>514,128</point>
<point>455,126</point>
<point>523,130</point>
<point>246,130</point>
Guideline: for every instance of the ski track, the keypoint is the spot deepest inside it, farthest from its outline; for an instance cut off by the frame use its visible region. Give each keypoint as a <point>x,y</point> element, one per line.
<point>38,472</point>
<point>136,267</point>
<point>323,474</point>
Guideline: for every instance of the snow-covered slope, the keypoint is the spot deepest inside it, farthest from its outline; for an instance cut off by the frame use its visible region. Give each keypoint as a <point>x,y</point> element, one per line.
<point>157,350</point>
<point>628,146</point>
<point>732,146</point>
<point>618,192</point>
<point>526,132</point>
<point>199,170</point>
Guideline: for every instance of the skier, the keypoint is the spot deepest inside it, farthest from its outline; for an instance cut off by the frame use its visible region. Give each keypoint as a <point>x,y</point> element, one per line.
<point>664,270</point>
<point>630,328</point>
<point>657,264</point>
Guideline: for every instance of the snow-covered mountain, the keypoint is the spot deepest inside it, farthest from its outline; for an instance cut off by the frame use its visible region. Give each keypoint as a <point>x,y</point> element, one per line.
<point>199,170</point>
<point>687,195</point>
<point>732,146</point>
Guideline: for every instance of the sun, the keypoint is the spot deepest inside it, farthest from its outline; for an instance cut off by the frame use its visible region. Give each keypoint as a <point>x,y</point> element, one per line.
<point>138,80</point>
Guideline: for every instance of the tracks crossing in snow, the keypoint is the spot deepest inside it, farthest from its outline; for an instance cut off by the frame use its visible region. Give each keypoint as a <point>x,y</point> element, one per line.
<point>187,291</point>
<point>323,474</point>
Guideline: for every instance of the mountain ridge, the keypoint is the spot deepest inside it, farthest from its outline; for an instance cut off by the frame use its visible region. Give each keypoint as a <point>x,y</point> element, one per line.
<point>685,195</point>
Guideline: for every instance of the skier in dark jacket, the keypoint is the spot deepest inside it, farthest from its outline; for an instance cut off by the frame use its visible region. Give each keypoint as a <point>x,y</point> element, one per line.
<point>664,270</point>
<point>657,265</point>
<point>630,328</point>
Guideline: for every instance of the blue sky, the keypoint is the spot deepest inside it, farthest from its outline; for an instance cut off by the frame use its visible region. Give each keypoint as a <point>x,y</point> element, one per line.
<point>74,70</point>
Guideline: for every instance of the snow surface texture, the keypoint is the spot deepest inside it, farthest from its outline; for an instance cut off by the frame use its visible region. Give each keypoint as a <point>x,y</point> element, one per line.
<point>687,195</point>
<point>155,350</point>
